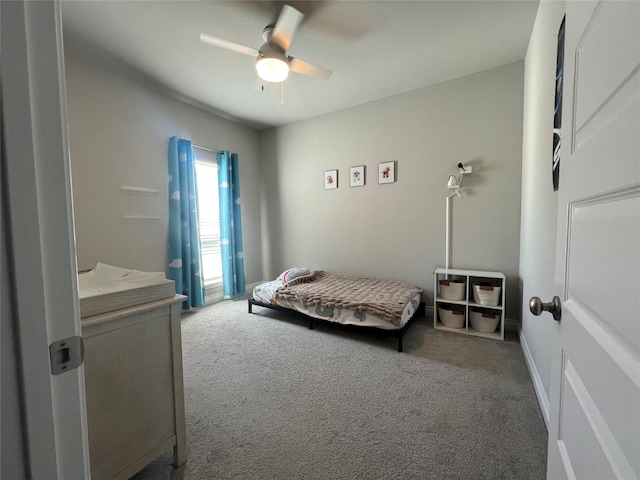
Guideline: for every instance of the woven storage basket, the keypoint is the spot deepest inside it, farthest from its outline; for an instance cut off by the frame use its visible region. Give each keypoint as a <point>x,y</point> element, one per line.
<point>450,316</point>
<point>452,289</point>
<point>484,320</point>
<point>486,294</point>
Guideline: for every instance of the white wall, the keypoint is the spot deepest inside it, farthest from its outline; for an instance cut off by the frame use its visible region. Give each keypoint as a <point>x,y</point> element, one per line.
<point>119,132</point>
<point>539,202</point>
<point>397,231</point>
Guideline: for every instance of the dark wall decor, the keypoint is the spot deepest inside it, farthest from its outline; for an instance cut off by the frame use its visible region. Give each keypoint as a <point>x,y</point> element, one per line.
<point>557,113</point>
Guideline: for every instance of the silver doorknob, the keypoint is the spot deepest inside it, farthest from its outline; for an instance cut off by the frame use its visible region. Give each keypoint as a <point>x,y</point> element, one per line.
<point>554,307</point>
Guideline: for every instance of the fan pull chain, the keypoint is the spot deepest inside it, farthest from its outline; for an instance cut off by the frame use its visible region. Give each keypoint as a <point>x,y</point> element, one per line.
<point>282,100</point>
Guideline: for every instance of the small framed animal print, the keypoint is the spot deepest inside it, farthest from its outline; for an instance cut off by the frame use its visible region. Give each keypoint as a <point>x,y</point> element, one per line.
<point>387,172</point>
<point>330,179</point>
<point>356,176</point>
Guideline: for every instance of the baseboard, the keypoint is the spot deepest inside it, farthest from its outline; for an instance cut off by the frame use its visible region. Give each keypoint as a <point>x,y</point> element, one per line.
<point>543,399</point>
<point>511,325</point>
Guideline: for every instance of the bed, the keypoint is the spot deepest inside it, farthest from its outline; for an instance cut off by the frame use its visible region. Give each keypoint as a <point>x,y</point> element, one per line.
<point>382,306</point>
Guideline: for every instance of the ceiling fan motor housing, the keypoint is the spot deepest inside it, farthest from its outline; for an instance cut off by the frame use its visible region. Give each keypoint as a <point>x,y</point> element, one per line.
<point>266,33</point>
<point>272,63</point>
<point>271,49</point>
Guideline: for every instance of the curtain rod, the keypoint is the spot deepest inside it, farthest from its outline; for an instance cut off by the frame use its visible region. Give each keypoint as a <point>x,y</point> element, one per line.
<point>214,150</point>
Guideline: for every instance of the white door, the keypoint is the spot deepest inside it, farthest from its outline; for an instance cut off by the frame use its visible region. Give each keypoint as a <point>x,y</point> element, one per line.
<point>41,247</point>
<point>594,430</point>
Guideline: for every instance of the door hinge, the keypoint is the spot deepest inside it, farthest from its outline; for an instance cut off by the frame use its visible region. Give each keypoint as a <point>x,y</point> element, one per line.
<point>66,354</point>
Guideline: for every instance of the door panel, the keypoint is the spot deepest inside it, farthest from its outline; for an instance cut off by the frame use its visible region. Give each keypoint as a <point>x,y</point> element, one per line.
<point>608,387</point>
<point>583,429</point>
<point>606,97</point>
<point>603,69</point>
<point>613,224</point>
<point>578,433</point>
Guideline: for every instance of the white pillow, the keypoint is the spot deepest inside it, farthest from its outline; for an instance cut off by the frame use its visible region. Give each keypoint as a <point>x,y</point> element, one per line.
<point>292,273</point>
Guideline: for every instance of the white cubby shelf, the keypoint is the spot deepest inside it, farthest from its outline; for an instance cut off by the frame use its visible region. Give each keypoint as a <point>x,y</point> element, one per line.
<point>470,277</point>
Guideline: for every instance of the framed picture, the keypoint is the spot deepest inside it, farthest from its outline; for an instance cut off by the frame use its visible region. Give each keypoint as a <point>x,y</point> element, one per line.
<point>330,179</point>
<point>387,172</point>
<point>557,115</point>
<point>356,176</point>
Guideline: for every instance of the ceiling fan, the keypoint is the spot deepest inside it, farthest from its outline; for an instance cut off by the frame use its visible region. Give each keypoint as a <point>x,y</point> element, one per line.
<point>272,62</point>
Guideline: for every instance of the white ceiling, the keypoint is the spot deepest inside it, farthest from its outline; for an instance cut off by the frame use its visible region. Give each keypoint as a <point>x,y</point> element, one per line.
<point>375,49</point>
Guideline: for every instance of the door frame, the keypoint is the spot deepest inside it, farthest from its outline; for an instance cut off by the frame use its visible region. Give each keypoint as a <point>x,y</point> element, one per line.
<point>39,224</point>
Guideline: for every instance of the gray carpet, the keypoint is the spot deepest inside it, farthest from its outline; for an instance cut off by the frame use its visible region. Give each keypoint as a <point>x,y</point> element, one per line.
<point>267,398</point>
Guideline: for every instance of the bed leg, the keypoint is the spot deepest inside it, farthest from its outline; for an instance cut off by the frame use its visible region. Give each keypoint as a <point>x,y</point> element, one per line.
<point>400,344</point>
<point>250,305</point>
<point>311,324</point>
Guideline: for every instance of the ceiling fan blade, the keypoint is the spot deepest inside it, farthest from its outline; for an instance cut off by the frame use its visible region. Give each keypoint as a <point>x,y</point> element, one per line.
<point>286,26</point>
<point>305,68</point>
<point>219,42</point>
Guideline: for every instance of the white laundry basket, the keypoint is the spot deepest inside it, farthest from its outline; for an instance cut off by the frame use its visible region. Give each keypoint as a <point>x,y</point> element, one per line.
<point>451,316</point>
<point>486,294</point>
<point>484,319</point>
<point>452,289</point>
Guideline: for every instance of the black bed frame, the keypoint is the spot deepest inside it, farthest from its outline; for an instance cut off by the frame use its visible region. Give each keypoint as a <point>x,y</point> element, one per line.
<point>420,312</point>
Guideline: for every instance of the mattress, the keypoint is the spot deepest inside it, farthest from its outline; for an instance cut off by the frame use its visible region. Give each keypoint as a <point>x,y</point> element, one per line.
<point>107,288</point>
<point>265,293</point>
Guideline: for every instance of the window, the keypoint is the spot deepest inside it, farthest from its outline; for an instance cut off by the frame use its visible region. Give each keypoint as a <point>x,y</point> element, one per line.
<point>208,216</point>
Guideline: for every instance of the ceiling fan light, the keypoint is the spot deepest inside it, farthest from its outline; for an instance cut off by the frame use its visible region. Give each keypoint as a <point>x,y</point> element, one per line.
<point>272,69</point>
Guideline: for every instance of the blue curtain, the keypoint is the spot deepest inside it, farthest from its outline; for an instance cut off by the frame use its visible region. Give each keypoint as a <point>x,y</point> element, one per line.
<point>184,254</point>
<point>230,225</point>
